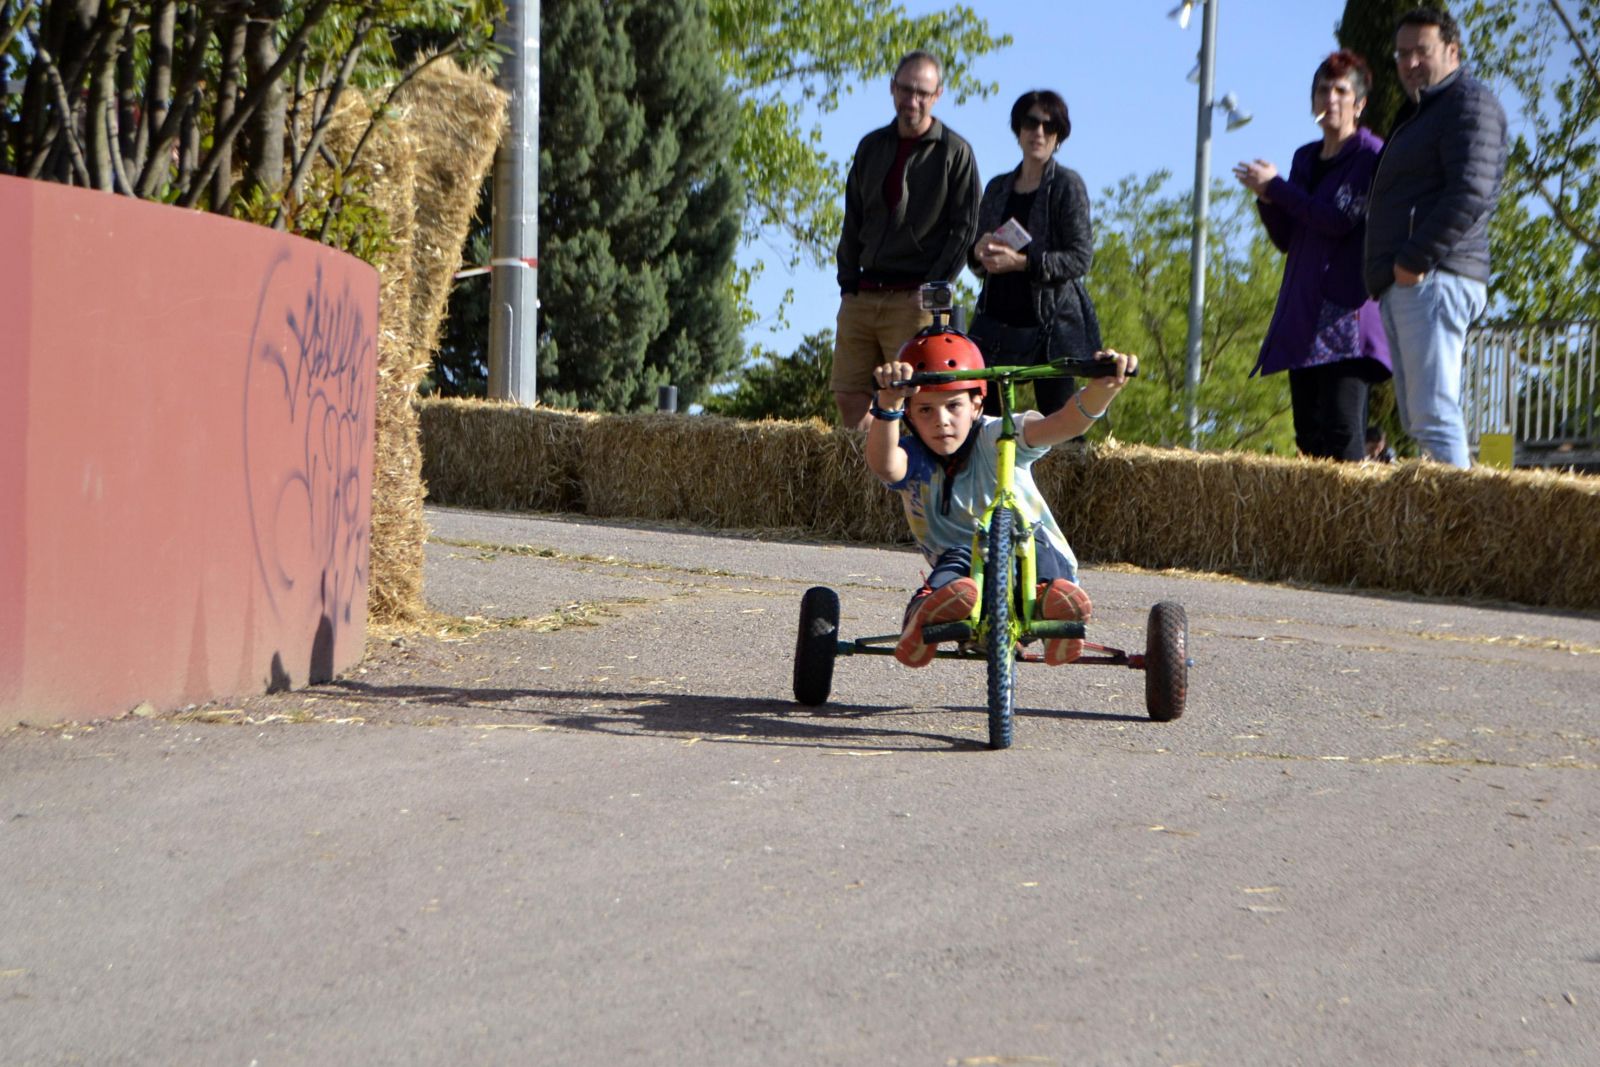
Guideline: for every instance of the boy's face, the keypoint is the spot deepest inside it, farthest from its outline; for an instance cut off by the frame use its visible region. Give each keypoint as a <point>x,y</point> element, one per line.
<point>943,420</point>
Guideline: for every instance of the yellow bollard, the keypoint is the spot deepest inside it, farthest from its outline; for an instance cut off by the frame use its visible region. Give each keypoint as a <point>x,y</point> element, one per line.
<point>1496,450</point>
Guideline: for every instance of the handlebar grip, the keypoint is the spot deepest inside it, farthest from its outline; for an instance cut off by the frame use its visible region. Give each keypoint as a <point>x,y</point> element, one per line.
<point>926,377</point>
<point>1090,368</point>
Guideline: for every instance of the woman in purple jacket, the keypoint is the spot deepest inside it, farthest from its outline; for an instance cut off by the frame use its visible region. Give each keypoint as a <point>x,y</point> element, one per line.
<point>1325,332</point>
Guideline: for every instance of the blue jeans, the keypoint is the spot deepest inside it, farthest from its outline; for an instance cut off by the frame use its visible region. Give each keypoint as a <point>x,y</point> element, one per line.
<point>1427,327</point>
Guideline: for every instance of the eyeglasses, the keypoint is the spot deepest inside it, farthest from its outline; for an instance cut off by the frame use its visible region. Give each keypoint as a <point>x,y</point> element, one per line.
<point>1035,122</point>
<point>1422,51</point>
<point>919,95</point>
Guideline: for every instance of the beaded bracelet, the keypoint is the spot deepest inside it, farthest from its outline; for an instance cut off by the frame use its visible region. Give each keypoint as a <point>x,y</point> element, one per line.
<point>1085,411</point>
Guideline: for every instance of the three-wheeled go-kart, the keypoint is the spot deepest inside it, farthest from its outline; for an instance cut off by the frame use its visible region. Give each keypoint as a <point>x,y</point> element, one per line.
<point>1006,619</point>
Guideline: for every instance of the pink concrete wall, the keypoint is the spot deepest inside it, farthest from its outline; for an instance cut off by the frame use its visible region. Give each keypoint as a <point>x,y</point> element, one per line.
<point>186,435</point>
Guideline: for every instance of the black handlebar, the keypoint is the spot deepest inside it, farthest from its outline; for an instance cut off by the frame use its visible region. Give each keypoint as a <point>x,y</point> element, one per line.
<point>1090,368</point>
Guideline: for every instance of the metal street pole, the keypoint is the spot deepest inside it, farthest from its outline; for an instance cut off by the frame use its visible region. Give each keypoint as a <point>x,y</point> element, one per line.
<point>1202,203</point>
<point>514,231</point>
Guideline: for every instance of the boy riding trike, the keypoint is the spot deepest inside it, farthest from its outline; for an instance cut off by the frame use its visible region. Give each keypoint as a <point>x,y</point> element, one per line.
<point>1003,577</point>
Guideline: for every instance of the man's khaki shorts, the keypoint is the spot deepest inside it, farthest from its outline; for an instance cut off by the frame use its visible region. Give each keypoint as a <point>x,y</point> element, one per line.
<point>872,327</point>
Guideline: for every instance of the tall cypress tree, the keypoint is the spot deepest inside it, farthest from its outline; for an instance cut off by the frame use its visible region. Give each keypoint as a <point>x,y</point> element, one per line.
<point>638,205</point>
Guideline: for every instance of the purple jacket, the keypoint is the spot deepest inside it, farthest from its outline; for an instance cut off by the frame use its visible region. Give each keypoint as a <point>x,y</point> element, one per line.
<point>1323,313</point>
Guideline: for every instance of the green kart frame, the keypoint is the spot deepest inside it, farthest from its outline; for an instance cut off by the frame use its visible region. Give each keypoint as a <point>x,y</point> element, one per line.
<point>1006,618</point>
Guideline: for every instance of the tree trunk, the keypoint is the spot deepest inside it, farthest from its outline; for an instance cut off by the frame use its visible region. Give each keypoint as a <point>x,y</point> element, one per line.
<point>179,127</point>
<point>230,39</point>
<point>128,106</point>
<point>224,132</point>
<point>48,127</point>
<point>102,68</point>
<point>264,133</point>
<point>158,83</point>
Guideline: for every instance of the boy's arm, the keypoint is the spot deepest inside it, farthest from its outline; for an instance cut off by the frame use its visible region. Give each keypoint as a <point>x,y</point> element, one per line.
<point>885,457</point>
<point>1083,410</point>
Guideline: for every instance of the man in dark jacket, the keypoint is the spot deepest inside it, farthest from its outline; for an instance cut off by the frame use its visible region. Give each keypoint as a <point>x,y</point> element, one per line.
<point>910,214</point>
<point>1427,251</point>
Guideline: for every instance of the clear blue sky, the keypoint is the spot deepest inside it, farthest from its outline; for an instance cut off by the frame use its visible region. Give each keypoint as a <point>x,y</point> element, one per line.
<point>1121,67</point>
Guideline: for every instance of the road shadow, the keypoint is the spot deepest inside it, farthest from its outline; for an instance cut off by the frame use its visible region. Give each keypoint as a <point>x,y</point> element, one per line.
<point>719,719</point>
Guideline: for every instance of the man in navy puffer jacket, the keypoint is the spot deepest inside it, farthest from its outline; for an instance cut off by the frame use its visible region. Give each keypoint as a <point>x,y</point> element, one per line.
<point>1427,250</point>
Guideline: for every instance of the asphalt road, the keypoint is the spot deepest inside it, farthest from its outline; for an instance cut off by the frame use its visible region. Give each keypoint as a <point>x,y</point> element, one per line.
<point>588,825</point>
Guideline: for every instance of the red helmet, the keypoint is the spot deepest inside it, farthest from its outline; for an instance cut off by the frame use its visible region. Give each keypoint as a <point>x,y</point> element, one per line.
<point>944,350</point>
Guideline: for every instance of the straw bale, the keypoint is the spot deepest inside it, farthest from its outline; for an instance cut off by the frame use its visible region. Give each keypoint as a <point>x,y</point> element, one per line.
<point>1420,528</point>
<point>394,588</point>
<point>427,162</point>
<point>455,120</point>
<point>501,456</point>
<point>711,471</point>
<point>1527,536</point>
<point>851,504</point>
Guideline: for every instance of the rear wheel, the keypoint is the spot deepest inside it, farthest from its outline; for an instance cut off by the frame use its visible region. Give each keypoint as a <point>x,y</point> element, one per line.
<point>1166,661</point>
<point>998,645</point>
<point>816,646</point>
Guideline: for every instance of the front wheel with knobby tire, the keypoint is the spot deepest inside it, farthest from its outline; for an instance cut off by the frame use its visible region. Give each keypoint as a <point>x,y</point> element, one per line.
<point>1166,661</point>
<point>817,645</point>
<point>998,643</point>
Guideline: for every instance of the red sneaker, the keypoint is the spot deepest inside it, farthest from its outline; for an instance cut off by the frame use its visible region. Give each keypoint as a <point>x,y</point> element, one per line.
<point>948,603</point>
<point>1063,601</point>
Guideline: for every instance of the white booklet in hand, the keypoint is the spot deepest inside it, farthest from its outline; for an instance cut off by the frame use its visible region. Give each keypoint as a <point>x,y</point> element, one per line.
<point>1013,235</point>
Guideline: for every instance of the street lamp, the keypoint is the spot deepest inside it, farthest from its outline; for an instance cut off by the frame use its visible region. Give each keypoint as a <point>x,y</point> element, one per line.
<point>1202,198</point>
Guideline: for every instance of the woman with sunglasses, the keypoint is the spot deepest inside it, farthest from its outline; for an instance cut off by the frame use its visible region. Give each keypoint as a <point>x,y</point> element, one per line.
<point>1035,246</point>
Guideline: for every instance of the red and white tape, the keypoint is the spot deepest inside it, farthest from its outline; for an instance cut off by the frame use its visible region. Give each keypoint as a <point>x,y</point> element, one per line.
<point>525,262</point>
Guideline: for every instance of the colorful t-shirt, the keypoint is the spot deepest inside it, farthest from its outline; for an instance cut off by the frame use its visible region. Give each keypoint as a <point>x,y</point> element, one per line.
<point>922,490</point>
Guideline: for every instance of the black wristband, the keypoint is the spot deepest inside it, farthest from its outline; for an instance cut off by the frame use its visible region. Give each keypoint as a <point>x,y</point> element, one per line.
<point>884,413</point>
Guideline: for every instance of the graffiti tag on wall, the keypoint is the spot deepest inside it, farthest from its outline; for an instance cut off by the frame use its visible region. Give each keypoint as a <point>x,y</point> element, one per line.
<point>308,423</point>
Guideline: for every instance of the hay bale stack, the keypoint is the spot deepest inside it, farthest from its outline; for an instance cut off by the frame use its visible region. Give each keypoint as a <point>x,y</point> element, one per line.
<point>428,162</point>
<point>1415,527</point>
<point>1529,536</point>
<point>501,456</point>
<point>735,475</point>
<point>394,587</point>
<point>1168,507</point>
<point>709,471</point>
<point>851,504</point>
<point>454,119</point>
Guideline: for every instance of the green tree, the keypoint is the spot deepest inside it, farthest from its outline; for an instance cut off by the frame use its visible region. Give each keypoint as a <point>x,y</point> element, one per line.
<point>1140,286</point>
<point>789,60</point>
<point>638,205</point>
<point>795,386</point>
<point>1546,232</point>
<point>222,106</point>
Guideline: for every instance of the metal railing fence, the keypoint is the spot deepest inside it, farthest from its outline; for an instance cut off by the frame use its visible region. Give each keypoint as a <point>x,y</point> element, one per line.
<point>1540,383</point>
